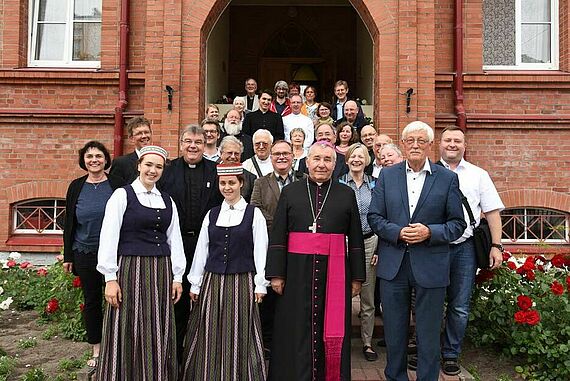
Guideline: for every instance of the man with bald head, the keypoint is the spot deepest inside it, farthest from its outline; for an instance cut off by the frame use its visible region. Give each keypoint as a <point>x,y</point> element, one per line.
<point>354,115</point>
<point>379,142</point>
<point>316,240</point>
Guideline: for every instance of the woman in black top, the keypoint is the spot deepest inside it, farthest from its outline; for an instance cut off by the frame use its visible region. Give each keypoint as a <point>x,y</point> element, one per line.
<point>85,206</point>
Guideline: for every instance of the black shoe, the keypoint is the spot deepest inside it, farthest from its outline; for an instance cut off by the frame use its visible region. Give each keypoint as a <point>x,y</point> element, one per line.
<point>413,362</point>
<point>382,342</point>
<point>369,356</point>
<point>450,367</point>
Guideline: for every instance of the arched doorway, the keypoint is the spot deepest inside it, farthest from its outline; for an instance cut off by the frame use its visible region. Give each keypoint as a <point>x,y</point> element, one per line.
<point>310,43</point>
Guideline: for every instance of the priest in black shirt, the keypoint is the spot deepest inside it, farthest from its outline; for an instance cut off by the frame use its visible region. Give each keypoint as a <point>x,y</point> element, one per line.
<point>315,273</point>
<point>192,183</point>
<point>264,119</point>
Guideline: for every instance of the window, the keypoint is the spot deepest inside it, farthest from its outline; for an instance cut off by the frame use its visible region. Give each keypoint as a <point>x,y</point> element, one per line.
<point>520,34</point>
<point>65,33</point>
<point>533,225</point>
<point>39,216</point>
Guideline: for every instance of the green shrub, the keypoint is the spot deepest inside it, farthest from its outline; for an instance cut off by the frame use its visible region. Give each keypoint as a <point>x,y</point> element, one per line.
<point>7,365</point>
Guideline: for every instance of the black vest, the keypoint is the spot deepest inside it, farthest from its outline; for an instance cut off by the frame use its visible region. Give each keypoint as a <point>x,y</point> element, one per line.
<point>143,232</point>
<point>231,248</point>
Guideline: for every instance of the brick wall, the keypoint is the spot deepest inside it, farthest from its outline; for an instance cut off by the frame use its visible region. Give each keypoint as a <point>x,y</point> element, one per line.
<point>518,123</point>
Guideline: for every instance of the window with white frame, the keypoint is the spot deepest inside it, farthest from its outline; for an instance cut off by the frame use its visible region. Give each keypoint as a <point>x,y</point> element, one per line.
<point>520,34</point>
<point>535,225</point>
<point>38,216</point>
<point>65,33</point>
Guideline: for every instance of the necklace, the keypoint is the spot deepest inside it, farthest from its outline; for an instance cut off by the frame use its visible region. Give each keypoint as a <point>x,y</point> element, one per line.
<point>313,227</point>
<point>96,184</point>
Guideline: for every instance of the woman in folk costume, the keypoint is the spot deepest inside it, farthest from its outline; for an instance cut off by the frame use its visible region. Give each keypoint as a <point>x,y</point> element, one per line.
<point>142,258</point>
<point>227,278</point>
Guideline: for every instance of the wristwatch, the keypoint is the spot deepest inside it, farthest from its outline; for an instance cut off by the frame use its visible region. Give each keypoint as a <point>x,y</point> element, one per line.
<point>498,246</point>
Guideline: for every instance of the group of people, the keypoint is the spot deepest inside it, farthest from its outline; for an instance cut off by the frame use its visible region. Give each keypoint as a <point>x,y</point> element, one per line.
<point>222,266</point>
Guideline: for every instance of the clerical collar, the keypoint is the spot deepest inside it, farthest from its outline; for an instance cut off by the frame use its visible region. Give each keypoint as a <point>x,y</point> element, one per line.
<point>192,166</point>
<point>318,184</point>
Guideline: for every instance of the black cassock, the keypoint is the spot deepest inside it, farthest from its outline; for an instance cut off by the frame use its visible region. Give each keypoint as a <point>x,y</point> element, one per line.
<point>298,349</point>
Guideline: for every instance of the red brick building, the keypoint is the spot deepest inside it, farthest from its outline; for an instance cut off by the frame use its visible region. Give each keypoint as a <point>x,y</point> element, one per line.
<point>75,70</point>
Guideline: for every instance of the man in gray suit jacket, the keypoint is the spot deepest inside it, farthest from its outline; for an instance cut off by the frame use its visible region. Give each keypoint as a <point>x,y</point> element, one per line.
<point>416,212</point>
<point>266,192</point>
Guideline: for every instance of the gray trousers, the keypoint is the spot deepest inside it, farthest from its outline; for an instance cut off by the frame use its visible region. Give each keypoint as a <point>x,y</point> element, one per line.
<point>367,293</point>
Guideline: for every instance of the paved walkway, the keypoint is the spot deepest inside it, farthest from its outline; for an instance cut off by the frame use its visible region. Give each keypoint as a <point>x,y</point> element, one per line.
<point>374,370</point>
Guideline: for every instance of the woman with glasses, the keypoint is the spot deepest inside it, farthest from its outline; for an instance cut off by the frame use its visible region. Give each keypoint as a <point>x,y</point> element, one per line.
<point>323,114</point>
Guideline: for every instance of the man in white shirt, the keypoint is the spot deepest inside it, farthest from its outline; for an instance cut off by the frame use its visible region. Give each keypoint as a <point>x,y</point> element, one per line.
<point>251,99</point>
<point>478,188</point>
<point>379,142</point>
<point>296,119</point>
<point>260,163</point>
<point>212,132</point>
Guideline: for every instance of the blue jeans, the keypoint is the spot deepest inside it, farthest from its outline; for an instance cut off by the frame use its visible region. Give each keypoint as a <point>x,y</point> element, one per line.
<point>461,280</point>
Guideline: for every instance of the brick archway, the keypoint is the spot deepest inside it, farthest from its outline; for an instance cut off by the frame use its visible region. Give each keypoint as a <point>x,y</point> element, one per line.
<point>367,15</point>
<point>36,189</point>
<point>536,198</point>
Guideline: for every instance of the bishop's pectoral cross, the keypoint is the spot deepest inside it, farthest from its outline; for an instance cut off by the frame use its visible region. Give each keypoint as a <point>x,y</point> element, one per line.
<point>313,227</point>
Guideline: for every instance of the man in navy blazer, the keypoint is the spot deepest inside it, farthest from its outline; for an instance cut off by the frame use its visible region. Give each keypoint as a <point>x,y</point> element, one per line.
<point>416,212</point>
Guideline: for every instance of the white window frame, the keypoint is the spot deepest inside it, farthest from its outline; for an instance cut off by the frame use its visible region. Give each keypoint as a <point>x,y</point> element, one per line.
<point>68,38</point>
<point>527,240</point>
<point>554,43</point>
<point>58,206</point>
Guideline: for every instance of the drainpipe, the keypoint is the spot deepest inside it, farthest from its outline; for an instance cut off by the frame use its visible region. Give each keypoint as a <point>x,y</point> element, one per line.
<point>458,58</point>
<point>123,79</point>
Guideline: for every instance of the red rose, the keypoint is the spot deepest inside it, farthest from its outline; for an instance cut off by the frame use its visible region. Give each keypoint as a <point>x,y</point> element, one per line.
<point>81,307</point>
<point>530,259</point>
<point>25,265</point>
<point>506,256</point>
<point>540,268</point>
<point>76,282</point>
<point>511,265</point>
<point>558,261</point>
<point>530,275</point>
<point>528,265</point>
<point>520,317</point>
<point>52,306</point>
<point>557,288</point>
<point>524,302</point>
<point>42,272</point>
<point>483,276</point>
<point>11,263</point>
<point>532,317</point>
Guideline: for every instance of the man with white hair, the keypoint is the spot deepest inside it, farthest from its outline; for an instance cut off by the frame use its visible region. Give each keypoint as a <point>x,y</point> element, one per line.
<point>416,213</point>
<point>315,259</point>
<point>297,119</point>
<point>379,142</point>
<point>232,126</point>
<point>260,163</point>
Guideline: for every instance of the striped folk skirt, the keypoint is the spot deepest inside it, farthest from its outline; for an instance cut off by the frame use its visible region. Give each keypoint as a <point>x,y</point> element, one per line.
<point>224,341</point>
<point>139,337</point>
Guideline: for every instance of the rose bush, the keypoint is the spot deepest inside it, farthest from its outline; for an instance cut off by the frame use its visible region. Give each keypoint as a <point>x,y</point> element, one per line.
<point>54,294</point>
<point>523,308</point>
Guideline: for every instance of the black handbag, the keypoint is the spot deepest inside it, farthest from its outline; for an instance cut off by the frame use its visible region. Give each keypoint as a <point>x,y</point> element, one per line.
<point>481,235</point>
<point>481,240</point>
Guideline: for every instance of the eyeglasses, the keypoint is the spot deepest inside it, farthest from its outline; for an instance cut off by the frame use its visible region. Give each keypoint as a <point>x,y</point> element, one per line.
<point>280,154</point>
<point>411,141</point>
<point>211,132</point>
<point>259,144</point>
